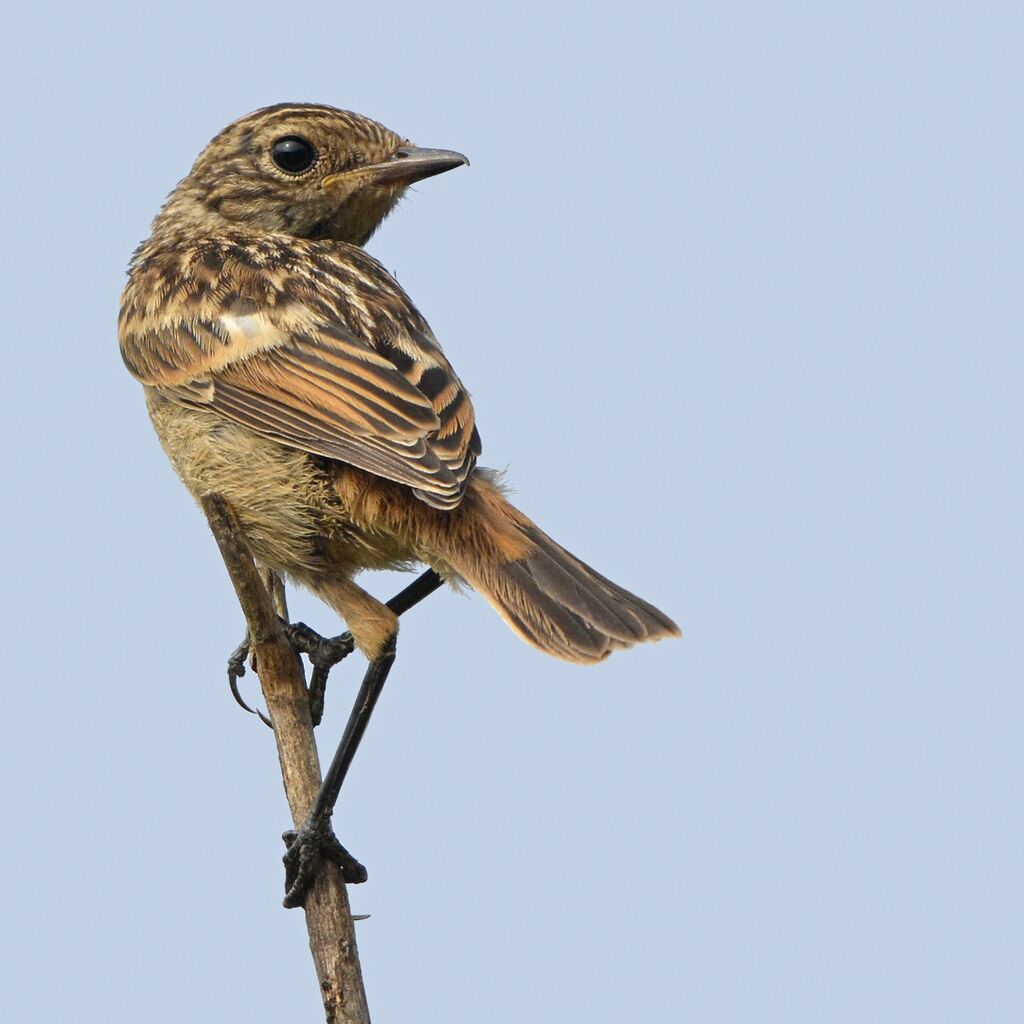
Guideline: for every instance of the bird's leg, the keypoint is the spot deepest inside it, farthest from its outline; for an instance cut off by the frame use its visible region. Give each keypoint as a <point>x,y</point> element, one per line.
<point>324,659</point>
<point>315,841</point>
<point>423,586</point>
<point>325,652</point>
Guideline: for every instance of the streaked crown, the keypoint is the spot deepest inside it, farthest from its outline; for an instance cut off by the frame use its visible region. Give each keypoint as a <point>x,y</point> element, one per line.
<point>303,169</point>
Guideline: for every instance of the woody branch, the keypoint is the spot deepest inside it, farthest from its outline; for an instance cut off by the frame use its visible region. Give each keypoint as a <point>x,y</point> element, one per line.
<point>332,940</point>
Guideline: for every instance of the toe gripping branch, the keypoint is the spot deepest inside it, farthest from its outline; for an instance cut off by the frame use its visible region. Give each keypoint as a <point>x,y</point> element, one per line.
<point>315,842</point>
<point>323,653</point>
<point>308,847</point>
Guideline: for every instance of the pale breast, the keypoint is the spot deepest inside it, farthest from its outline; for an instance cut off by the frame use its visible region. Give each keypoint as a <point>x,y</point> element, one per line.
<point>279,497</point>
<point>287,501</point>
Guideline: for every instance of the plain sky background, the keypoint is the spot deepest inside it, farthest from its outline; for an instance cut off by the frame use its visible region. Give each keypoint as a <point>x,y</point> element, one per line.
<point>736,288</point>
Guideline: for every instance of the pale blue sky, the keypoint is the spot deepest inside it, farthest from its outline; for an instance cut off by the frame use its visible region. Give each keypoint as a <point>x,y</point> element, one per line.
<point>744,275</point>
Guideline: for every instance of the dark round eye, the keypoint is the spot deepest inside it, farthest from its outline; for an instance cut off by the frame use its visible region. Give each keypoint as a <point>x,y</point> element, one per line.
<point>293,154</point>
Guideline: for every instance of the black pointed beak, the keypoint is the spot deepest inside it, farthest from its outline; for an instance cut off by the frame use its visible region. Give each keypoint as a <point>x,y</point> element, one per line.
<point>409,164</point>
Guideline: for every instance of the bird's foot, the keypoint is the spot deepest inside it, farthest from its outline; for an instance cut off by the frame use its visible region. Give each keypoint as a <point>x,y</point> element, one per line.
<point>236,669</point>
<point>323,653</point>
<point>308,847</point>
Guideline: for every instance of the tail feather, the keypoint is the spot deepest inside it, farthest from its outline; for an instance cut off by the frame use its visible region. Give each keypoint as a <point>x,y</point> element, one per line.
<point>555,601</point>
<point>547,595</point>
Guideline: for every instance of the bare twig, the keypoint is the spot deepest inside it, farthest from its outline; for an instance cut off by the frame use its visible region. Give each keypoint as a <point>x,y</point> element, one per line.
<point>275,587</point>
<point>332,939</point>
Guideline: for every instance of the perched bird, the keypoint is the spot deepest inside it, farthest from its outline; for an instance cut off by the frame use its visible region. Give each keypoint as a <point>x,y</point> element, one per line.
<point>287,371</point>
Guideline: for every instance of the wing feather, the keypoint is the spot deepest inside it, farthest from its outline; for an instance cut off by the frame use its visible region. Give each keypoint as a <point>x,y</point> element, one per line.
<point>310,343</point>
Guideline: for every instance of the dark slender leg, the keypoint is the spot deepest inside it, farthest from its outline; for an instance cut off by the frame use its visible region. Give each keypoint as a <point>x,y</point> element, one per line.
<point>316,840</point>
<point>324,653</point>
<point>421,587</point>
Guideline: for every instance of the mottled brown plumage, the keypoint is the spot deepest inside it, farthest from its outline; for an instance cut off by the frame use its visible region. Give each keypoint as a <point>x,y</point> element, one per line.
<point>310,343</point>
<point>286,370</point>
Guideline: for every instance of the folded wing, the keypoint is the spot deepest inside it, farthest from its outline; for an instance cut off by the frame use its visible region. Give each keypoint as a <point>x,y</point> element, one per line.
<point>310,343</point>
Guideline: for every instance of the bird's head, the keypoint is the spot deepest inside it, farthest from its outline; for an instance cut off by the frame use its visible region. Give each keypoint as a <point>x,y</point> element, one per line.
<point>302,169</point>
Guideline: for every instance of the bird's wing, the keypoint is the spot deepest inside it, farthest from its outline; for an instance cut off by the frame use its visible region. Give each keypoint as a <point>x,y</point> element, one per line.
<point>310,343</point>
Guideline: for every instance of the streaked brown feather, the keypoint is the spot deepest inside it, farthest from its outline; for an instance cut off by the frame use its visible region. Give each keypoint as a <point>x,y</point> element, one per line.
<point>546,594</point>
<point>310,343</point>
<point>261,342</point>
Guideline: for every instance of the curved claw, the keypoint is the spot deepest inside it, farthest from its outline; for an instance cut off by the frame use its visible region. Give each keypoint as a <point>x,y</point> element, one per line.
<point>323,653</point>
<point>236,669</point>
<point>307,847</point>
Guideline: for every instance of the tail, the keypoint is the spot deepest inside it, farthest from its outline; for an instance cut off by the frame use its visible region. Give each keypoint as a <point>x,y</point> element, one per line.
<point>547,595</point>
